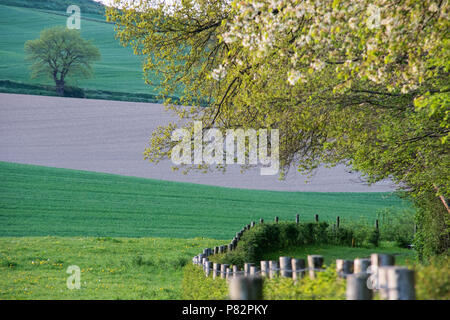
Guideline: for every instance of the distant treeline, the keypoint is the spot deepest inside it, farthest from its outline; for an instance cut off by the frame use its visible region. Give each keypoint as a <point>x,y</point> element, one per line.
<point>7,86</point>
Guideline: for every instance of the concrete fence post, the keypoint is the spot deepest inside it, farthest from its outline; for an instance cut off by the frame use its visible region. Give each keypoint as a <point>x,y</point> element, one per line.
<point>361,265</point>
<point>297,218</point>
<point>286,267</point>
<point>228,274</point>
<point>208,267</point>
<point>216,270</point>
<point>400,284</point>
<point>344,267</point>
<point>314,262</point>
<point>298,266</point>
<point>357,288</point>
<point>223,270</point>
<point>247,266</point>
<point>273,269</point>
<point>254,270</point>
<point>246,288</point>
<point>378,260</point>
<point>235,271</point>
<point>261,220</point>
<point>265,268</point>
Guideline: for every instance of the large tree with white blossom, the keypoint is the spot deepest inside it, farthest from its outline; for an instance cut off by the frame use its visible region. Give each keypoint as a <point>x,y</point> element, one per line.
<point>364,83</point>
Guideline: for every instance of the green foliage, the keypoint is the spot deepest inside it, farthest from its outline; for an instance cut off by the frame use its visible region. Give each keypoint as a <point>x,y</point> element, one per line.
<point>60,53</point>
<point>196,286</point>
<point>268,237</point>
<point>109,205</point>
<point>433,221</point>
<point>73,92</point>
<point>397,226</point>
<point>339,89</point>
<point>433,279</point>
<point>327,286</point>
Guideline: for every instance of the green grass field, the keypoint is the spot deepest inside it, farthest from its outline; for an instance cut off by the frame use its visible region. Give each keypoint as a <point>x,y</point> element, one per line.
<point>132,236</point>
<point>19,24</point>
<point>41,201</point>
<point>111,268</point>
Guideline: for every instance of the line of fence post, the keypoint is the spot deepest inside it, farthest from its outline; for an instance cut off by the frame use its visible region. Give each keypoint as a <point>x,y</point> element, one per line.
<point>298,268</point>
<point>377,273</point>
<point>286,267</point>
<point>314,262</point>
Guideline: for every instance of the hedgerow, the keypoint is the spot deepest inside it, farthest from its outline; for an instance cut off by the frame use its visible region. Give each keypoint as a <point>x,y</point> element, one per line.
<point>267,237</point>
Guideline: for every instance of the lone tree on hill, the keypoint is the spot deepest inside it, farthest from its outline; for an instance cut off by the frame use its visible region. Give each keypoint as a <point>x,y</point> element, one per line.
<point>59,53</point>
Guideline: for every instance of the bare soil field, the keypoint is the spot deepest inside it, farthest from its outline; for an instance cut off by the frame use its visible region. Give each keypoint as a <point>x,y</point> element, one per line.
<point>110,137</point>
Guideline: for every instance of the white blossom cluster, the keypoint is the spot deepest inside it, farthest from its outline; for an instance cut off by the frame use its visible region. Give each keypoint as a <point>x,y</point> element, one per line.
<point>364,37</point>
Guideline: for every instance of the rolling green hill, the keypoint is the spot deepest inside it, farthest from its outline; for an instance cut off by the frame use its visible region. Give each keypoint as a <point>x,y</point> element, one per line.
<point>119,69</point>
<point>40,201</point>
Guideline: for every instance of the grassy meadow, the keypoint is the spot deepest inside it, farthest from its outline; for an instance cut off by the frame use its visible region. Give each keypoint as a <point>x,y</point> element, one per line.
<point>131,237</point>
<point>111,268</point>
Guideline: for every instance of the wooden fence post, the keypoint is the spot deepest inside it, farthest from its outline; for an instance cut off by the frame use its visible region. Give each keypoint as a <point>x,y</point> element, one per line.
<point>276,219</point>
<point>261,220</point>
<point>297,265</point>
<point>235,271</point>
<point>208,267</point>
<point>316,217</point>
<point>265,268</point>
<point>338,222</point>
<point>314,262</point>
<point>344,267</point>
<point>273,269</point>
<point>253,270</point>
<point>297,218</point>
<point>400,284</point>
<point>357,288</point>
<point>223,270</point>
<point>247,266</point>
<point>246,288</point>
<point>378,260</point>
<point>376,224</point>
<point>216,250</point>
<point>228,274</point>
<point>216,270</point>
<point>286,267</point>
<point>361,265</point>
<point>380,277</point>
<point>204,260</point>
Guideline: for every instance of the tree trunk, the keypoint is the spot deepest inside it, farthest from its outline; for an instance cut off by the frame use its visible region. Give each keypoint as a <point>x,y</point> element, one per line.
<point>60,87</point>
